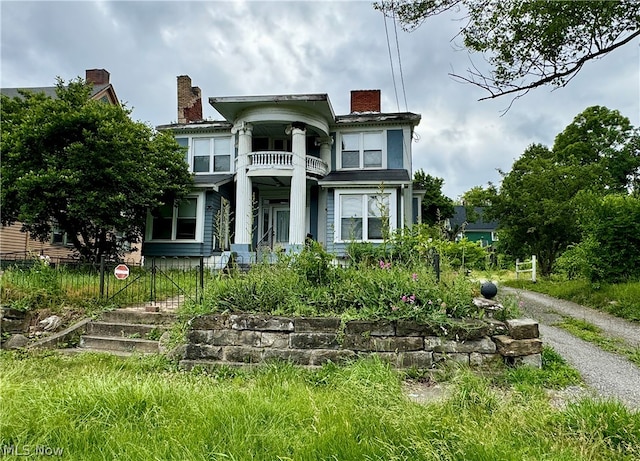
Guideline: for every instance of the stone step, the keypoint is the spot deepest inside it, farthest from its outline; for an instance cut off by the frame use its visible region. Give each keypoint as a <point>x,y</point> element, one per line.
<point>88,350</point>
<point>105,343</point>
<point>138,317</point>
<point>125,330</point>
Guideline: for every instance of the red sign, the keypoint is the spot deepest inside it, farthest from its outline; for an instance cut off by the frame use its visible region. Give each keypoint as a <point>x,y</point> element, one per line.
<point>121,271</point>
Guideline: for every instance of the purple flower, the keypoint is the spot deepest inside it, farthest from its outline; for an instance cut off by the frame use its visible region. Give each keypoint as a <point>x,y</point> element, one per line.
<point>414,276</point>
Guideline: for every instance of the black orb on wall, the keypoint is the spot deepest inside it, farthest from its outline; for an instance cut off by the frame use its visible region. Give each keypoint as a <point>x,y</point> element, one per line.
<point>488,290</point>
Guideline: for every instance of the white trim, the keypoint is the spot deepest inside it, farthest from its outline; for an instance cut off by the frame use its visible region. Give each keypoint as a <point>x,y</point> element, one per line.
<point>393,212</point>
<point>361,132</point>
<point>200,210</point>
<point>212,154</point>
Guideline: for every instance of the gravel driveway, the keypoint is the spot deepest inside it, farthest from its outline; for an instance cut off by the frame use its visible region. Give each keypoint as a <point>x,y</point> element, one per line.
<point>610,375</point>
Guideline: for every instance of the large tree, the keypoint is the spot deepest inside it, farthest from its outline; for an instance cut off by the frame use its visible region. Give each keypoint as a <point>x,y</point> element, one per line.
<point>528,43</point>
<point>84,167</point>
<point>536,206</point>
<point>435,205</point>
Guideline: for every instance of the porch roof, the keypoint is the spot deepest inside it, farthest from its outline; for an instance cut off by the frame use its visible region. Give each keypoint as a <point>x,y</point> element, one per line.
<point>231,107</point>
<point>366,178</point>
<point>211,180</point>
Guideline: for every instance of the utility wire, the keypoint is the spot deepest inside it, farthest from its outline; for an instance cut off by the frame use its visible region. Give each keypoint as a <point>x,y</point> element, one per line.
<point>404,92</point>
<point>393,75</point>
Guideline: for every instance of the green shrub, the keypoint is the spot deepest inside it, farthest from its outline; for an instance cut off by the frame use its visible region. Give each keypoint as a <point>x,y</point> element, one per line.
<point>611,236</point>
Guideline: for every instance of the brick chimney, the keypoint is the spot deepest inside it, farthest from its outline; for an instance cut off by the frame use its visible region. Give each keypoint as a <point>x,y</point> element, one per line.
<point>97,76</point>
<point>189,101</point>
<point>365,101</point>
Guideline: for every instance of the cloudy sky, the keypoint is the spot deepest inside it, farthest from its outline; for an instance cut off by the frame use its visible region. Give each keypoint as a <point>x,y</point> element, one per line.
<point>260,47</point>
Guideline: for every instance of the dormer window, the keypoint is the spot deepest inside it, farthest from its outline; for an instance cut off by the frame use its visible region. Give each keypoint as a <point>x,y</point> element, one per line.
<point>361,150</point>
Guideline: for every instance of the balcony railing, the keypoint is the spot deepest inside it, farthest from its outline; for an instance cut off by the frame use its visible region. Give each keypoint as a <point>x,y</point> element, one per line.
<point>284,161</point>
<point>316,167</point>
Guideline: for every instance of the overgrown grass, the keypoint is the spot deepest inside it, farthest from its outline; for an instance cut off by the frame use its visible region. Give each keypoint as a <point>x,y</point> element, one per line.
<point>56,289</point>
<point>589,332</point>
<point>301,286</point>
<point>620,299</point>
<point>98,407</point>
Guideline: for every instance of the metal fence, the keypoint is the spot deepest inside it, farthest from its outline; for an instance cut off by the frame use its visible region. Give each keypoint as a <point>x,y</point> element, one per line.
<point>167,280</point>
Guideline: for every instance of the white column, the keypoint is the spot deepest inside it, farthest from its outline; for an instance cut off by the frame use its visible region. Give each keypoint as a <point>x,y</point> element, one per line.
<point>325,156</point>
<point>243,211</point>
<point>298,198</point>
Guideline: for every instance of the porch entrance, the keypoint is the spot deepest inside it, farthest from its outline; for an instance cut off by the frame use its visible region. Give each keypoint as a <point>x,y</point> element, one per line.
<point>280,224</point>
<point>275,225</point>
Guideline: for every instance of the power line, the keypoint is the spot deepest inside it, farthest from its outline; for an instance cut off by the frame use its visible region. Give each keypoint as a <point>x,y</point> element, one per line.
<point>393,75</point>
<point>404,92</point>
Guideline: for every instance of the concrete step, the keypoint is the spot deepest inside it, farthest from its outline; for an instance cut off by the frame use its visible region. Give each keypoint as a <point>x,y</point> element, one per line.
<point>138,317</point>
<point>106,343</point>
<point>87,350</point>
<point>125,330</point>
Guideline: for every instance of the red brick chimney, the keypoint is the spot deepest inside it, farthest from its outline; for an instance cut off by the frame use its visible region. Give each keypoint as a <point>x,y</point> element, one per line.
<point>365,101</point>
<point>189,101</point>
<point>97,76</point>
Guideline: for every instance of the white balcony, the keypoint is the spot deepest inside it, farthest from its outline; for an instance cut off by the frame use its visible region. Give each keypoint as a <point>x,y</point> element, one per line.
<point>278,163</point>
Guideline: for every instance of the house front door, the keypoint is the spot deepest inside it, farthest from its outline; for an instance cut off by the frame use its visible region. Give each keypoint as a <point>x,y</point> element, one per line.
<point>281,224</point>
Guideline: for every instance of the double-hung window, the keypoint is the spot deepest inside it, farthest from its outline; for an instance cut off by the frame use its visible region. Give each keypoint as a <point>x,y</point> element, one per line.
<point>211,155</point>
<point>364,216</point>
<point>179,222</point>
<point>362,150</point>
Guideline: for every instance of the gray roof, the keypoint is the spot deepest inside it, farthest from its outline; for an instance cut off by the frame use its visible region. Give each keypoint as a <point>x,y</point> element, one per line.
<point>367,177</point>
<point>211,180</point>
<point>378,117</point>
<point>47,90</point>
<point>460,217</point>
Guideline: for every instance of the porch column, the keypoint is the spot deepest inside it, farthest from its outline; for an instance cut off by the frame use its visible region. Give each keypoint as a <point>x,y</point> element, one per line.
<point>298,198</point>
<point>243,212</point>
<point>325,156</point>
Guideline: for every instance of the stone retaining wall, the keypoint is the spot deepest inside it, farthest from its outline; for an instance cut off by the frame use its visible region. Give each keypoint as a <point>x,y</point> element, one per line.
<point>248,338</point>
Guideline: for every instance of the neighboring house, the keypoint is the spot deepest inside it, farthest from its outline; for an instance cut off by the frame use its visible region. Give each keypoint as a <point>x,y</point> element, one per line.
<point>472,226</point>
<point>13,241</point>
<point>281,169</point>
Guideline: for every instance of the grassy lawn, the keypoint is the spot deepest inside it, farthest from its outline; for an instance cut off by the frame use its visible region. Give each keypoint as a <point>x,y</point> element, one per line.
<point>620,299</point>
<point>98,407</point>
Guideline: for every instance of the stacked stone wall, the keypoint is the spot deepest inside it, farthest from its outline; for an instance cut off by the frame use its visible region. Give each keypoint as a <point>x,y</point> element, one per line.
<point>248,338</point>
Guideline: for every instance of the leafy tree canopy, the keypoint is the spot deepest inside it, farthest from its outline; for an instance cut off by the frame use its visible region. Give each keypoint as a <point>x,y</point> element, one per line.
<point>85,167</point>
<point>479,196</point>
<point>528,43</point>
<point>435,205</point>
<point>537,205</point>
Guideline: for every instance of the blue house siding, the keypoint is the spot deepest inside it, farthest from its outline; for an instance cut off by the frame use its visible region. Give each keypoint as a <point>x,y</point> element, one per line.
<point>333,152</point>
<point>337,249</point>
<point>173,249</point>
<point>313,211</point>
<point>395,149</point>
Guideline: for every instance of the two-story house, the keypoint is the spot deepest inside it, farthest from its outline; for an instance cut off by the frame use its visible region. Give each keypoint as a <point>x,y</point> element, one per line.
<point>284,168</point>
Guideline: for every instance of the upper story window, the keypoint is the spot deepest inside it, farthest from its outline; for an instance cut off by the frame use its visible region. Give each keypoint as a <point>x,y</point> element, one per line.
<point>362,150</point>
<point>211,155</point>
